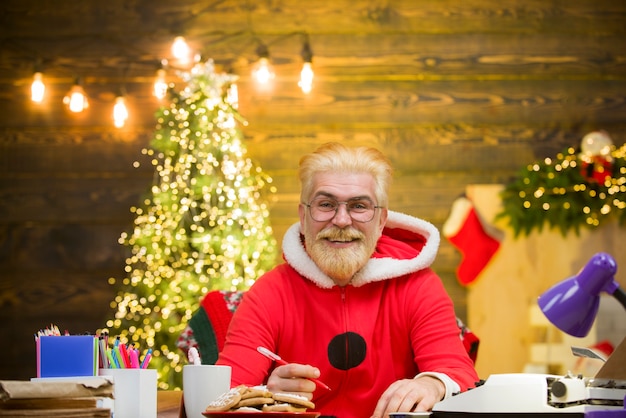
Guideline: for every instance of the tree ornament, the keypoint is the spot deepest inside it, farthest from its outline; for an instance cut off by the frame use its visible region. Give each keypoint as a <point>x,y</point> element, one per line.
<point>596,161</point>
<point>597,143</point>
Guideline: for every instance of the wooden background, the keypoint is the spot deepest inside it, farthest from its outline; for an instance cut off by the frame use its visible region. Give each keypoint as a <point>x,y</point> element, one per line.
<point>455,93</point>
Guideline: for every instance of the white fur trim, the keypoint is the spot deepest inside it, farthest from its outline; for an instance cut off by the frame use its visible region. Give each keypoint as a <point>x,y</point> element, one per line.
<point>298,258</point>
<point>376,269</point>
<point>459,212</point>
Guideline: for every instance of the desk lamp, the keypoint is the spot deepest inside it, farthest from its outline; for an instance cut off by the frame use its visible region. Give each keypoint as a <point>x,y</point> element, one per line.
<point>572,305</point>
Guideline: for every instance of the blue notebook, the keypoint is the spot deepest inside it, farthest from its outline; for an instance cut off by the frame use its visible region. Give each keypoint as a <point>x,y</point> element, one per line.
<point>67,356</point>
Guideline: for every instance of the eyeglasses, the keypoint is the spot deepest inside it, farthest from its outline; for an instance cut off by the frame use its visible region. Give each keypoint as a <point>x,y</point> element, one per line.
<point>324,209</point>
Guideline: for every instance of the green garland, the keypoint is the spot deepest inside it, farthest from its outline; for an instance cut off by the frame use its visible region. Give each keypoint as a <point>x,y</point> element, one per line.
<point>562,194</point>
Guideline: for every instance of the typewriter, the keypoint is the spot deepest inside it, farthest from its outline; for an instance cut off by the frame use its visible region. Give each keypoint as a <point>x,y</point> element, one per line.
<point>536,395</point>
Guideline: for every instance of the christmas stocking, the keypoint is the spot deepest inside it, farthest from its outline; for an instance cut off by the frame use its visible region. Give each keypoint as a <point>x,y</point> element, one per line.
<point>465,230</point>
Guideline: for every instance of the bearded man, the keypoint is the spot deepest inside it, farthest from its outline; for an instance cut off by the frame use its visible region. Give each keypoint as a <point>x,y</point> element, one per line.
<point>356,304</point>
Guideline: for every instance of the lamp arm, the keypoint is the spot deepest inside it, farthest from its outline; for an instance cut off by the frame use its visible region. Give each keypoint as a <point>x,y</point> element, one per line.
<point>620,295</point>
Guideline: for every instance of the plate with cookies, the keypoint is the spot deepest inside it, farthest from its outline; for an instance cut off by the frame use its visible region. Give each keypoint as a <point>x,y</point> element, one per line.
<point>236,414</point>
<point>245,400</point>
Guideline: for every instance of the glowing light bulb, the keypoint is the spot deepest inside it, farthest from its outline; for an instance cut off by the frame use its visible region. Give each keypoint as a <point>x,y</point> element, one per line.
<point>181,51</point>
<point>306,78</point>
<point>120,112</point>
<point>306,75</point>
<point>232,96</point>
<point>160,85</point>
<point>37,88</point>
<point>262,72</point>
<point>76,99</point>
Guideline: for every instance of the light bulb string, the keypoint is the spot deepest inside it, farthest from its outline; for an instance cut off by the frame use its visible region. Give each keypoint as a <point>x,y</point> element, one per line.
<point>219,37</point>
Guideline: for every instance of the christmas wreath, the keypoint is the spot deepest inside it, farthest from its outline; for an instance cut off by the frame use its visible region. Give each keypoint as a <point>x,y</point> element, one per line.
<point>578,188</point>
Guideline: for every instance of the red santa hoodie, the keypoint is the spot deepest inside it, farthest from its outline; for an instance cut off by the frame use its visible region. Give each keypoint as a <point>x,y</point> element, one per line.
<point>394,321</point>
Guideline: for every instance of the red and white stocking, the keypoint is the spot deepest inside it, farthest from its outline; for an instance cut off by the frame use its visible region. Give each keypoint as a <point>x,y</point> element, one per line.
<point>466,231</point>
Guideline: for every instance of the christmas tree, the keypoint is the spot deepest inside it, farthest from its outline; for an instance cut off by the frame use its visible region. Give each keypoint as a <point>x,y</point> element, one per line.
<point>203,226</point>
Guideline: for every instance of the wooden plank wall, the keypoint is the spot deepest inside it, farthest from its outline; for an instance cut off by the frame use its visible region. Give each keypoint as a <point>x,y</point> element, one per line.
<point>455,93</point>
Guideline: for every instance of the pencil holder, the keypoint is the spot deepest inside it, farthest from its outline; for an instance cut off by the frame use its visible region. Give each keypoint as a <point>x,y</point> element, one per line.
<point>134,391</point>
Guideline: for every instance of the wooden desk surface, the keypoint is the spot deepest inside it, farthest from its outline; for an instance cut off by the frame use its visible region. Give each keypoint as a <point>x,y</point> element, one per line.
<point>169,404</point>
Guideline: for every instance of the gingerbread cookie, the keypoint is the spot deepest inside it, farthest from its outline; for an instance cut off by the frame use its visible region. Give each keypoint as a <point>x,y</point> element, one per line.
<point>226,401</point>
<point>283,407</point>
<point>247,409</point>
<point>256,392</point>
<point>256,401</point>
<point>293,399</point>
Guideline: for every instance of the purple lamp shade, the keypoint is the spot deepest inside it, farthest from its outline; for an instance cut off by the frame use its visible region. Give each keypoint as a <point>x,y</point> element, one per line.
<point>572,304</point>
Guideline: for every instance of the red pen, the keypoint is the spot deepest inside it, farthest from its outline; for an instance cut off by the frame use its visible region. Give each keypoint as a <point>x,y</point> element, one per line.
<point>124,355</point>
<point>273,356</point>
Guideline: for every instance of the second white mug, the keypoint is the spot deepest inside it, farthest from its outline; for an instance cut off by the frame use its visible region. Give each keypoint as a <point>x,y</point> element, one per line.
<point>202,384</point>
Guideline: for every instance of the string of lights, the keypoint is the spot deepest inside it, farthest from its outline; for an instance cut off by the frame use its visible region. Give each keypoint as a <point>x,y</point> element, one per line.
<point>183,56</point>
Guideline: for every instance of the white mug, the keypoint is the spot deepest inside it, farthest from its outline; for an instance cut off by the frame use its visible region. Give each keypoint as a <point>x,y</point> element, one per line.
<point>202,384</point>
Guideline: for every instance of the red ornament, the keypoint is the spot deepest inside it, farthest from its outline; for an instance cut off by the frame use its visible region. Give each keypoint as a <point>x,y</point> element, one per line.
<point>597,169</point>
<point>596,160</point>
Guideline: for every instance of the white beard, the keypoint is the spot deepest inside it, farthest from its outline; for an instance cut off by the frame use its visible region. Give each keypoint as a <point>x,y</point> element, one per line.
<point>341,264</point>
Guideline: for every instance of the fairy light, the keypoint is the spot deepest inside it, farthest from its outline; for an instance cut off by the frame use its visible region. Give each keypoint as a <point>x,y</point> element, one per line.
<point>76,99</point>
<point>232,96</point>
<point>306,78</point>
<point>262,72</point>
<point>181,50</point>
<point>120,112</point>
<point>306,74</point>
<point>159,89</point>
<point>37,88</point>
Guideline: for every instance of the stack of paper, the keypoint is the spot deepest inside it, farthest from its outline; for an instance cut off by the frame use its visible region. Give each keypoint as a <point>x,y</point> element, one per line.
<point>89,397</point>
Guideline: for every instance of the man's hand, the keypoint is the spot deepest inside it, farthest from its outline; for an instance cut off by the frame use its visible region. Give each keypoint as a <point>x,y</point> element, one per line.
<point>293,378</point>
<point>410,395</point>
